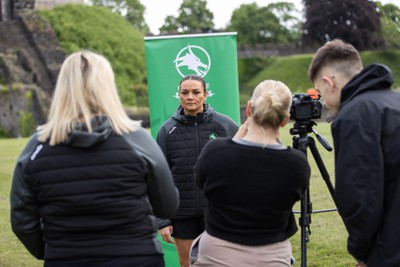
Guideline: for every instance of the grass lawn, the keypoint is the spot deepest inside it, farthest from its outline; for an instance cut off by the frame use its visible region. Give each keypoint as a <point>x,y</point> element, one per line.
<point>327,246</point>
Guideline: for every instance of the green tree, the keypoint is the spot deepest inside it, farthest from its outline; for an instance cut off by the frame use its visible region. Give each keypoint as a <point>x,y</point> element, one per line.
<point>272,24</point>
<point>194,16</point>
<point>288,17</point>
<point>170,26</point>
<point>390,20</point>
<point>131,10</point>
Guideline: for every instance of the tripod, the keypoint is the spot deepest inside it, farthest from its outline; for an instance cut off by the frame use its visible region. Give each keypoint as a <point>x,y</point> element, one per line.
<point>302,142</point>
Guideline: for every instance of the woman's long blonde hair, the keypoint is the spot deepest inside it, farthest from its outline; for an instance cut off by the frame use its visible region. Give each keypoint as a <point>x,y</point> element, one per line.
<point>271,102</point>
<point>85,88</point>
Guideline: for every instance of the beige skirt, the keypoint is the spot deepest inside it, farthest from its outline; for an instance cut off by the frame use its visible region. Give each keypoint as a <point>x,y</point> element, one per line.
<point>214,252</point>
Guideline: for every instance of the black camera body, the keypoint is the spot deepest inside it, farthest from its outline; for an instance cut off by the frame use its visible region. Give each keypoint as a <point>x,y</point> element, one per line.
<point>305,108</point>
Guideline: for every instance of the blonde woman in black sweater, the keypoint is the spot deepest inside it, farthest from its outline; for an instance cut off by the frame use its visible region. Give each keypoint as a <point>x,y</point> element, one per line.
<point>251,183</point>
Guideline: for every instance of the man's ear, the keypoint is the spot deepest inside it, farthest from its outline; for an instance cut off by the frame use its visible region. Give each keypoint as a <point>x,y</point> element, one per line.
<point>330,81</point>
<point>248,109</point>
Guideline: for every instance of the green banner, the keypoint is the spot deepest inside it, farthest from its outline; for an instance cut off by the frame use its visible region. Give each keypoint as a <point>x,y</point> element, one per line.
<point>212,56</point>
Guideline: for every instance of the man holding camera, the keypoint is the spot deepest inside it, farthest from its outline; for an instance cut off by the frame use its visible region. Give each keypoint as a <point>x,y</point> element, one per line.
<point>367,150</point>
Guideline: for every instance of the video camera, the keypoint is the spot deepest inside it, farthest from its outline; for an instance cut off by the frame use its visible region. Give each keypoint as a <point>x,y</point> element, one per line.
<point>305,107</point>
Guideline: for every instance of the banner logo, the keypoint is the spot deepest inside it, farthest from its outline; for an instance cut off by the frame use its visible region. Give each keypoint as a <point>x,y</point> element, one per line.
<point>193,59</point>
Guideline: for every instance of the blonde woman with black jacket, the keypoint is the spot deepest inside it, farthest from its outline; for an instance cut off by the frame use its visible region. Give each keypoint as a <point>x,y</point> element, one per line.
<point>88,185</point>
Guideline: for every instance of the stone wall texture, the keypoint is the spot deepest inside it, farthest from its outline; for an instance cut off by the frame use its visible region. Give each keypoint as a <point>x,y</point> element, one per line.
<point>49,4</point>
<point>30,60</point>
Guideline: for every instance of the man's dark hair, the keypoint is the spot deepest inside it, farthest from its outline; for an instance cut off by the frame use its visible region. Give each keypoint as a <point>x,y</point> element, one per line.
<point>337,54</point>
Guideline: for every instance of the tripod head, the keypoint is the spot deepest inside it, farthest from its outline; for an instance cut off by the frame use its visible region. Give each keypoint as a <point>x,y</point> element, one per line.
<point>303,128</point>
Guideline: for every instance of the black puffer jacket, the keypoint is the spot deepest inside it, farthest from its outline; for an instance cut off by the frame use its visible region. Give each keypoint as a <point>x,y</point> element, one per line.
<point>93,196</point>
<point>182,138</point>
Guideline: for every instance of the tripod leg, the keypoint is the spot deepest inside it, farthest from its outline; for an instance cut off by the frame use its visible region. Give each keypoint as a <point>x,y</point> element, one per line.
<point>302,143</point>
<point>304,222</point>
<point>321,166</point>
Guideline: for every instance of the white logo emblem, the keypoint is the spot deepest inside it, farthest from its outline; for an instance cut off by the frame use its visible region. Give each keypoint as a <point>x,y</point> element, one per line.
<point>192,59</point>
<point>36,152</point>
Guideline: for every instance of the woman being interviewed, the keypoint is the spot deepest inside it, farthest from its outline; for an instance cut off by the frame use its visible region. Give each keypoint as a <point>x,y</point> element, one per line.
<point>88,184</point>
<point>181,138</point>
<point>251,183</point>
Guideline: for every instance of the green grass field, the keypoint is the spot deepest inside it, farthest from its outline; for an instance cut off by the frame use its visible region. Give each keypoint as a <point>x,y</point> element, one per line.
<point>327,246</point>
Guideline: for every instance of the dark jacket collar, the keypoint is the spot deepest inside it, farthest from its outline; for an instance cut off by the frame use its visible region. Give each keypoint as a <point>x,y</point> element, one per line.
<point>371,78</point>
<point>80,137</point>
<point>200,117</point>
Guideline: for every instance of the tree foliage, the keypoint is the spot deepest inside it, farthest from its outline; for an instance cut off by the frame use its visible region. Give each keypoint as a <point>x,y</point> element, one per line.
<point>275,23</point>
<point>354,21</point>
<point>287,14</point>
<point>194,16</point>
<point>131,10</point>
<point>390,24</point>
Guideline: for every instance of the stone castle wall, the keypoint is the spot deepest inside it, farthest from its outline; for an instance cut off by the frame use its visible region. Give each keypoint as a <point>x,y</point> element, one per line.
<point>49,4</point>
<point>5,10</point>
<point>30,59</point>
<point>10,8</point>
<point>23,4</point>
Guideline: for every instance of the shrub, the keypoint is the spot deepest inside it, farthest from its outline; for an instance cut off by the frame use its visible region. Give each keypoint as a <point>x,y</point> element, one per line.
<point>26,122</point>
<point>141,92</point>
